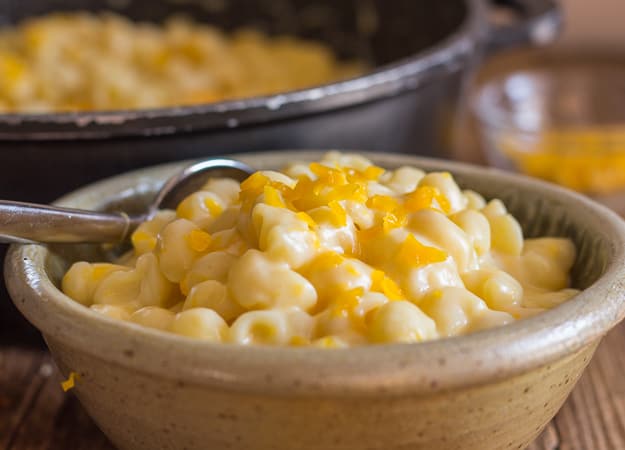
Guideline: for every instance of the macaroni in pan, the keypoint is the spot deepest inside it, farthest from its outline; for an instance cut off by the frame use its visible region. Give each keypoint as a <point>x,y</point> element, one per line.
<point>331,254</point>
<point>79,61</point>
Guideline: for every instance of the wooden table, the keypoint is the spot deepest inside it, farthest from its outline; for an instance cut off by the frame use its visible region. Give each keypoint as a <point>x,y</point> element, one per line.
<point>35,414</point>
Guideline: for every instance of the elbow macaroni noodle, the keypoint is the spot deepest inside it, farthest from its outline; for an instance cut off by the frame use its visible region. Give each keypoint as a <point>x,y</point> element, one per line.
<point>80,61</point>
<point>334,253</point>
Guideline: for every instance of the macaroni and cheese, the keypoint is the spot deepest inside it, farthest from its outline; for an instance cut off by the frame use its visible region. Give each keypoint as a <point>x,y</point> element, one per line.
<point>80,61</point>
<point>333,253</point>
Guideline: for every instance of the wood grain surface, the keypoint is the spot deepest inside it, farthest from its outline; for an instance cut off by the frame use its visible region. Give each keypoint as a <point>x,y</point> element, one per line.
<point>35,414</point>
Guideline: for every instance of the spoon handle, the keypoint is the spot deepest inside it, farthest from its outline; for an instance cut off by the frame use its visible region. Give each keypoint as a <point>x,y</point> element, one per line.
<point>31,223</point>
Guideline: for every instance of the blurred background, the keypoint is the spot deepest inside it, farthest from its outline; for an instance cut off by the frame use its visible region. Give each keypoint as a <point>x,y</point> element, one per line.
<point>556,112</point>
<point>596,24</point>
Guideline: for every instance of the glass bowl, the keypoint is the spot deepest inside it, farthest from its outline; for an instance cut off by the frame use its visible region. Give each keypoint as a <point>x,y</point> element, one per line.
<point>564,123</point>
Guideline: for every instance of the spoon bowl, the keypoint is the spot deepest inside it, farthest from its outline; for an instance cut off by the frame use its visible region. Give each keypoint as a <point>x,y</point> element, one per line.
<point>193,177</point>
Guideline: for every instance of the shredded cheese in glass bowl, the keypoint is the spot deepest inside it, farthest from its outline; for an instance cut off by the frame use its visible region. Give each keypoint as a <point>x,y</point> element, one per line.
<point>334,253</point>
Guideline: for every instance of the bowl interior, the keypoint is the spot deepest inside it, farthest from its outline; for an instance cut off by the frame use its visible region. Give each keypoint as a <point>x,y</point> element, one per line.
<point>374,30</point>
<point>539,214</point>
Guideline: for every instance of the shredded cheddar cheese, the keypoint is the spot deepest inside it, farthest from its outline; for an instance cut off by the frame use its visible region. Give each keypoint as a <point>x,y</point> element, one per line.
<point>380,282</point>
<point>338,216</point>
<point>70,383</point>
<point>305,217</point>
<point>426,197</point>
<point>589,160</point>
<point>383,203</point>
<point>414,254</point>
<point>373,173</point>
<point>273,197</point>
<point>392,221</point>
<point>346,301</point>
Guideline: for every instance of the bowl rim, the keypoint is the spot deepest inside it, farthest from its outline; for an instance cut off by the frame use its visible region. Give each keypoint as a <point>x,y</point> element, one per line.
<point>444,364</point>
<point>483,100</point>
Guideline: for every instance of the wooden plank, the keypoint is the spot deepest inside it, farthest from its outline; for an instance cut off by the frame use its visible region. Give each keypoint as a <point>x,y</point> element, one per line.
<point>35,414</point>
<point>19,387</point>
<point>593,418</point>
<point>76,431</point>
<point>57,421</point>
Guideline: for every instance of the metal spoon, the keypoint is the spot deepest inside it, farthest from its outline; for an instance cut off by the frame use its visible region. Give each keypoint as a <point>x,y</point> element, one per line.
<point>26,223</point>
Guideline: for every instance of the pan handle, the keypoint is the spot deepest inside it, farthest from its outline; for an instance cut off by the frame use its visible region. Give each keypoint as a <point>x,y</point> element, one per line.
<point>522,22</point>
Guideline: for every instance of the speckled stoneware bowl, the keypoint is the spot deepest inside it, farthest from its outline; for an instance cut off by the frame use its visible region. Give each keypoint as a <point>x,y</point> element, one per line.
<point>491,390</point>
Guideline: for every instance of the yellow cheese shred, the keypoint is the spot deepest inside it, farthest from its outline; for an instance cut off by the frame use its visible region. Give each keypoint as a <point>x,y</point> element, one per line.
<point>426,197</point>
<point>306,218</point>
<point>414,254</point>
<point>384,203</point>
<point>339,216</point>
<point>273,197</point>
<point>70,382</point>
<point>380,282</point>
<point>390,221</point>
<point>347,301</point>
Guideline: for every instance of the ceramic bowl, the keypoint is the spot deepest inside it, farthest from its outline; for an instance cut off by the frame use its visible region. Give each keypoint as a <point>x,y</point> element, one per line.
<point>494,389</point>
